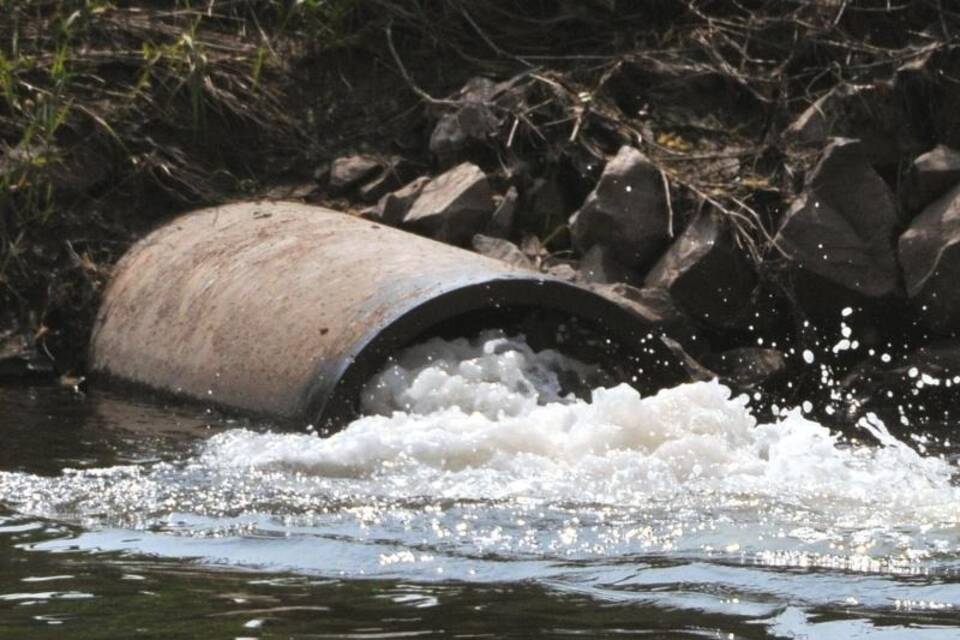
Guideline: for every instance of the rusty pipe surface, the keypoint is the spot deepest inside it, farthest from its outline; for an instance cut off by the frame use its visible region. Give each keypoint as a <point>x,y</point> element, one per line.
<point>286,310</point>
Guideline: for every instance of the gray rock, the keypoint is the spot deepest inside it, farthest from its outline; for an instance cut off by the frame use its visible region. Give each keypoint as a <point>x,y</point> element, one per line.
<point>747,367</point>
<point>391,208</point>
<point>929,253</point>
<point>292,191</point>
<point>454,132</point>
<point>501,222</point>
<point>348,171</point>
<point>564,271</point>
<point>472,122</point>
<point>600,266</point>
<point>842,226</point>
<point>546,207</point>
<point>533,248</point>
<point>453,206</point>
<point>501,249</point>
<point>626,212</point>
<point>705,273</point>
<point>926,382</point>
<point>395,171</point>
<point>653,305</point>
<point>933,173</point>
<point>870,113</point>
<point>820,120</point>
<point>694,368</point>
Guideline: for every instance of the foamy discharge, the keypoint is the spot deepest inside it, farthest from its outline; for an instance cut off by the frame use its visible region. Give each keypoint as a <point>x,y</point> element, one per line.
<point>474,443</point>
<point>487,419</point>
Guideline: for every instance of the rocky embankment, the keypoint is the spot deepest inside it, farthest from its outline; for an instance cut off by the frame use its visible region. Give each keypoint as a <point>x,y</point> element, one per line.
<point>852,295</point>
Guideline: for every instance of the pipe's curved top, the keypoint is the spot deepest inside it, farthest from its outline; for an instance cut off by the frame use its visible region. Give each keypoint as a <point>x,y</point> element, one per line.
<point>286,309</point>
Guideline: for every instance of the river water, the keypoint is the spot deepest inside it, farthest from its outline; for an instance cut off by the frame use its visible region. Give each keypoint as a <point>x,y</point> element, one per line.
<point>477,499</point>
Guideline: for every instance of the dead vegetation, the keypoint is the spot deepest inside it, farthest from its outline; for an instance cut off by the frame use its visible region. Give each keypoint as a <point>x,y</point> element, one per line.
<point>115,115</point>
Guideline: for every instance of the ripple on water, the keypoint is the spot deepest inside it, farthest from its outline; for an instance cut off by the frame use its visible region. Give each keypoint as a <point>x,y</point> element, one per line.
<point>473,465</point>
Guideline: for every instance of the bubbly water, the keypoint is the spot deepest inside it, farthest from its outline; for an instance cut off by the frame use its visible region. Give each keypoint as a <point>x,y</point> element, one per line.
<point>474,464</point>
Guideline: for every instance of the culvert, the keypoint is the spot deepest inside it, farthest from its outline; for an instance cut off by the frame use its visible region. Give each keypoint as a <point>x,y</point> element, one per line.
<point>285,310</point>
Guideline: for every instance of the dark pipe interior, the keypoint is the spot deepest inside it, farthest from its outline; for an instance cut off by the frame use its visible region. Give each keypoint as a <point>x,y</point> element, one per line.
<point>569,334</point>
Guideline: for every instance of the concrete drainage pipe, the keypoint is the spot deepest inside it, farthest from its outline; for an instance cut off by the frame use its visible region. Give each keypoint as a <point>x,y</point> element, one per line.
<point>285,310</point>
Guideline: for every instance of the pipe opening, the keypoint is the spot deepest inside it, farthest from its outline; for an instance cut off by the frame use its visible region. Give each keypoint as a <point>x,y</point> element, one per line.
<point>561,317</point>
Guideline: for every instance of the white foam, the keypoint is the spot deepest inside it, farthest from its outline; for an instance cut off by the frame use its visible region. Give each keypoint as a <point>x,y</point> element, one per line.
<point>492,409</point>
<point>474,444</point>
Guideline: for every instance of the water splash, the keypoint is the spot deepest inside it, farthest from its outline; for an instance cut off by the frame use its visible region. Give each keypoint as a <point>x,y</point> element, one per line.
<point>473,448</point>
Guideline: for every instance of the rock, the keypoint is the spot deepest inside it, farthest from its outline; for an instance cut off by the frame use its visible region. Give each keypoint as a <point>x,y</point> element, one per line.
<point>920,85</point>
<point>626,212</point>
<point>842,226</point>
<point>533,248</point>
<point>930,256</point>
<point>392,207</point>
<point>395,171</point>
<point>546,207</point>
<point>932,174</point>
<point>691,365</point>
<point>705,273</point>
<point>564,271</point>
<point>819,121</point>
<point>453,206</point>
<point>348,171</point>
<point>653,305</point>
<point>321,174</point>
<point>292,191</point>
<point>925,381</point>
<point>600,266</point>
<point>501,249</point>
<point>871,113</point>
<point>747,367</point>
<point>501,222</point>
<point>474,121</point>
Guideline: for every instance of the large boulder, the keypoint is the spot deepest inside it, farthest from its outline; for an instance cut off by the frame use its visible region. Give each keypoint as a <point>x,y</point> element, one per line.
<point>930,256</point>
<point>705,273</point>
<point>842,227</point>
<point>626,212</point>
<point>453,206</point>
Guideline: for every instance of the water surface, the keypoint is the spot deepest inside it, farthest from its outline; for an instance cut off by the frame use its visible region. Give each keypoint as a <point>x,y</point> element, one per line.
<point>478,499</point>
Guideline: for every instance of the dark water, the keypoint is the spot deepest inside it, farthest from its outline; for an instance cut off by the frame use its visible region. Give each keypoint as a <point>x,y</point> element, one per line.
<point>268,570</point>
